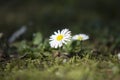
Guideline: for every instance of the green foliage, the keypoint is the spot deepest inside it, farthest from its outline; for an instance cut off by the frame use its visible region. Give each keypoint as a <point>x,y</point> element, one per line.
<point>75,68</point>
<point>75,61</point>
<point>37,38</point>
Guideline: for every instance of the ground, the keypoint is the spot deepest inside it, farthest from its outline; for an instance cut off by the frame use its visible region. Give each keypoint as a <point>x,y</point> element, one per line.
<point>36,60</point>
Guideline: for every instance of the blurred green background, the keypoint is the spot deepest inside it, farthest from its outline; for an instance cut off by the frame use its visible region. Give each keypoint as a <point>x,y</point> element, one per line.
<point>92,17</point>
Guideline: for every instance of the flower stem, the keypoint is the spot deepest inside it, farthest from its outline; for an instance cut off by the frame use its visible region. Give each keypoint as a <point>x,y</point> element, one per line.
<point>81,45</point>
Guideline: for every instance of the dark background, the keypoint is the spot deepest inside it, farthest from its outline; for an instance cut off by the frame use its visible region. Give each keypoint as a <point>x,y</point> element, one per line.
<point>92,17</point>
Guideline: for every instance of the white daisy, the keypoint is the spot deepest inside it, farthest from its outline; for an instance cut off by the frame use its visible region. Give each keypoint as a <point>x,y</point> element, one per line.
<point>80,37</point>
<point>59,38</point>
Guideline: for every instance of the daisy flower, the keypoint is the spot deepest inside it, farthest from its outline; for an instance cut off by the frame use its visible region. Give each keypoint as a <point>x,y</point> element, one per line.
<point>80,37</point>
<point>59,38</point>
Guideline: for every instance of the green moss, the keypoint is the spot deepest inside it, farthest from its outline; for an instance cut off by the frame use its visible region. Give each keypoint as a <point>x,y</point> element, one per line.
<point>73,69</point>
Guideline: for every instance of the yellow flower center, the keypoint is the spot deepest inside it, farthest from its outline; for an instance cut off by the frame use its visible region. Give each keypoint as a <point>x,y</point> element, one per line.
<point>80,38</point>
<point>59,37</point>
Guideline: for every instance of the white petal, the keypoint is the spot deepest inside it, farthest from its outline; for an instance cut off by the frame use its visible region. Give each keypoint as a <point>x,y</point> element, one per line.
<point>66,37</point>
<point>55,33</point>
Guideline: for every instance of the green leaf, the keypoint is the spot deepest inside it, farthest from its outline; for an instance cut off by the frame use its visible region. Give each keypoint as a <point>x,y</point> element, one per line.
<point>37,38</point>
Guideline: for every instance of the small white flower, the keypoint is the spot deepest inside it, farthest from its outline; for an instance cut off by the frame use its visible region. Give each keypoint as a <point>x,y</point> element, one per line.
<point>59,38</point>
<point>119,56</point>
<point>80,37</point>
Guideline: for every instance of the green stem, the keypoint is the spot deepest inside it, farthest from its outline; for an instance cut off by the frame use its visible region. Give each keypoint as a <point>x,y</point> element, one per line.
<point>60,49</point>
<point>81,45</point>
